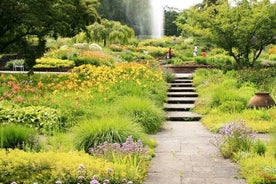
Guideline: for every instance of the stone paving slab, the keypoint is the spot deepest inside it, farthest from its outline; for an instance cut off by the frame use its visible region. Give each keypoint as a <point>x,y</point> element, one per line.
<point>182,114</point>
<point>185,156</point>
<point>182,94</point>
<point>181,84</point>
<point>183,75</point>
<point>181,99</point>
<point>182,89</point>
<point>182,80</point>
<point>178,106</point>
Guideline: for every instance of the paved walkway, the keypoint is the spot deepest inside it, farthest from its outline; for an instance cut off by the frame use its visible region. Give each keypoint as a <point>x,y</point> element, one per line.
<point>185,156</point>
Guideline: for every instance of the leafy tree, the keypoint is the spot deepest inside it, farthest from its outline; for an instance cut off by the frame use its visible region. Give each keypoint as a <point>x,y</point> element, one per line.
<point>242,30</point>
<point>109,31</point>
<point>171,15</point>
<point>25,24</point>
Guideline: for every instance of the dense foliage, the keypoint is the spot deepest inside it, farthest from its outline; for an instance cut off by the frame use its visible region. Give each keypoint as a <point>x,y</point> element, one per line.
<point>242,30</point>
<point>26,24</point>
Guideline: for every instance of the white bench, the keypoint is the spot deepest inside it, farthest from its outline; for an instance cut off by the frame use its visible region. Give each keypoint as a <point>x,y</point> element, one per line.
<point>18,64</point>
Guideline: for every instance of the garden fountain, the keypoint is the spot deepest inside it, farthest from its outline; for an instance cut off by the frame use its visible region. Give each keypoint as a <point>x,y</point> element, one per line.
<point>157,18</point>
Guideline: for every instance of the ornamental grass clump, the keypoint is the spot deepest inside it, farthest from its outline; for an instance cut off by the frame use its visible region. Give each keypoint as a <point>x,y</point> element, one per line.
<point>114,129</point>
<point>142,111</point>
<point>234,137</point>
<point>17,136</point>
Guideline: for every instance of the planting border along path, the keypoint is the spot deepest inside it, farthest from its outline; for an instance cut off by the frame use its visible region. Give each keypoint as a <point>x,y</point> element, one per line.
<point>184,154</point>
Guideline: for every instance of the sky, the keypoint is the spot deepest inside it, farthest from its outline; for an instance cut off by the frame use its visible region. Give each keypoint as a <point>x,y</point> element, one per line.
<point>185,4</point>
<point>181,4</point>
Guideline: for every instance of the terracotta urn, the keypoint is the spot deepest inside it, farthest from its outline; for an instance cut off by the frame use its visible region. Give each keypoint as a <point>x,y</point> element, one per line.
<point>261,100</point>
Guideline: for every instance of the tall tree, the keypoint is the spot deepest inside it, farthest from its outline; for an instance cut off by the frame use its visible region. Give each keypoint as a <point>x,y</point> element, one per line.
<point>21,20</point>
<point>171,15</point>
<point>242,30</point>
<point>109,32</point>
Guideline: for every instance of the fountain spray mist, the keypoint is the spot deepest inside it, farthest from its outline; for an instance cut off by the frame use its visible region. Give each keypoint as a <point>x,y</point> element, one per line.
<point>157,18</point>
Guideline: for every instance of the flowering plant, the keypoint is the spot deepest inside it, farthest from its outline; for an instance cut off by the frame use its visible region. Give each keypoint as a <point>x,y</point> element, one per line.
<point>234,137</point>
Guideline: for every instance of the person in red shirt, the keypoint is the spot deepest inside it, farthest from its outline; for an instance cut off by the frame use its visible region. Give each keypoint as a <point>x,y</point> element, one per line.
<point>170,53</point>
<point>203,53</point>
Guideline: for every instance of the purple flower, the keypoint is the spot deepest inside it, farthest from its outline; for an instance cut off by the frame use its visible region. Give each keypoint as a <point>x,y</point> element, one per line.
<point>109,170</point>
<point>94,181</point>
<point>106,181</point>
<point>81,166</point>
<point>95,177</point>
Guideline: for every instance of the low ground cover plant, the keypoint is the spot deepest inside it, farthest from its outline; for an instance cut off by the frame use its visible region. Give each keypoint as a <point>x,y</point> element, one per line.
<point>26,167</point>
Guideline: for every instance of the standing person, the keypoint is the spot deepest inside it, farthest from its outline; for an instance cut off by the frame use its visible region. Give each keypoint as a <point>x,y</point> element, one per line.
<point>170,53</point>
<point>195,51</point>
<point>203,53</point>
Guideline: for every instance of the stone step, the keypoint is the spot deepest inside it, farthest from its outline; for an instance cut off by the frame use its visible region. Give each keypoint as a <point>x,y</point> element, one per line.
<point>181,84</point>
<point>181,100</point>
<point>183,116</point>
<point>178,107</point>
<point>182,81</point>
<point>182,94</point>
<point>183,76</point>
<point>181,89</point>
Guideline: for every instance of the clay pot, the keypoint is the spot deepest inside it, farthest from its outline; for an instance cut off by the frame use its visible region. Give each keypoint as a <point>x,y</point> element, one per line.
<point>261,100</point>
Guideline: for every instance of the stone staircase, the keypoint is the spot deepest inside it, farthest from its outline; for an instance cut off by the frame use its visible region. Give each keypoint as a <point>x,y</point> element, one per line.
<point>184,154</point>
<point>181,98</point>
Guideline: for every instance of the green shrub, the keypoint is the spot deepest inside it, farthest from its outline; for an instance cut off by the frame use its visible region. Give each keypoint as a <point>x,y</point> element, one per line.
<point>143,112</point>
<point>259,169</point>
<point>232,106</point>
<point>259,147</point>
<point>115,48</point>
<point>86,60</point>
<point>221,61</point>
<point>134,56</point>
<point>127,56</point>
<point>200,60</point>
<point>90,134</point>
<point>186,58</point>
<point>156,51</point>
<point>272,57</point>
<point>168,76</point>
<point>17,136</point>
<point>260,77</point>
<point>44,119</point>
<point>53,63</point>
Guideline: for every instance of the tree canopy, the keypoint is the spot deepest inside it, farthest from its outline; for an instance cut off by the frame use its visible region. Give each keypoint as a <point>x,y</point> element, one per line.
<point>109,32</point>
<point>170,27</point>
<point>21,20</point>
<point>243,30</point>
